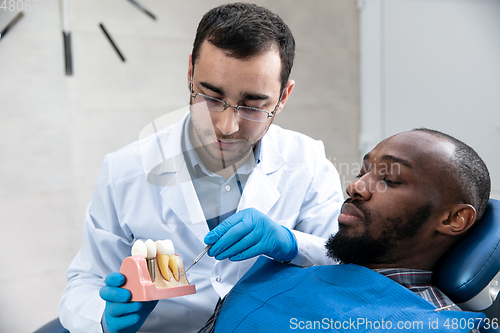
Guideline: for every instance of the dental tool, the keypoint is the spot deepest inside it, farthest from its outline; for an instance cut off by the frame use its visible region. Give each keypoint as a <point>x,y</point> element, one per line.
<point>205,250</point>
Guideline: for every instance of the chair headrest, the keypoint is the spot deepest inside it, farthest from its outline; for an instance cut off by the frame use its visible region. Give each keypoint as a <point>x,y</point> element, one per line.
<point>475,261</point>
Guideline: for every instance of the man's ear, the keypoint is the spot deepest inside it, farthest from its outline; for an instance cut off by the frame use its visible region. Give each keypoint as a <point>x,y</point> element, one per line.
<point>190,70</point>
<point>461,218</point>
<point>286,93</point>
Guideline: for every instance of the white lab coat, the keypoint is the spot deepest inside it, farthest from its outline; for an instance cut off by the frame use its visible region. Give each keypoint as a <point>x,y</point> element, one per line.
<point>294,184</point>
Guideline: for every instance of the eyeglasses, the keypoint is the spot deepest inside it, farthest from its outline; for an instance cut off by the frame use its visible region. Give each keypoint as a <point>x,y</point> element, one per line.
<point>218,105</point>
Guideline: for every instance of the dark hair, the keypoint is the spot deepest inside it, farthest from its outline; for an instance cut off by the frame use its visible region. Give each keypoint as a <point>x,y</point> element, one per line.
<point>472,183</point>
<point>245,30</point>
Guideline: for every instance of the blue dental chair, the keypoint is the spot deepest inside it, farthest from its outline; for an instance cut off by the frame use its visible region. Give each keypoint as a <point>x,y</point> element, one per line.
<point>53,326</point>
<point>469,275</point>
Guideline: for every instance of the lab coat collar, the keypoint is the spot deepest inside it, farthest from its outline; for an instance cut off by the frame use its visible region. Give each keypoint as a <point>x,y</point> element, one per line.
<point>183,201</point>
<point>270,155</point>
<point>260,192</point>
<point>161,146</point>
<point>179,191</point>
<point>164,165</point>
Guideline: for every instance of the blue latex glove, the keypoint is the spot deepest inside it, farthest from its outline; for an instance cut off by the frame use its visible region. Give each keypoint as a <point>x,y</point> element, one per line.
<point>122,316</point>
<point>250,233</point>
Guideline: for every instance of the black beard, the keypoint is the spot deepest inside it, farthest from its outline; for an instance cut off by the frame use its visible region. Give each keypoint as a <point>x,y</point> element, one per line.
<point>363,249</point>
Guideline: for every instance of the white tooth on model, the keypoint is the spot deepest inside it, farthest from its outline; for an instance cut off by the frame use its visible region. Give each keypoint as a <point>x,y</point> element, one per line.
<point>151,258</point>
<point>151,247</point>
<point>139,249</point>
<point>165,249</point>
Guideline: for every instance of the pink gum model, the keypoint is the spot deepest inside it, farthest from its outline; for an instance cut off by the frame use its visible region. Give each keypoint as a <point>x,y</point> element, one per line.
<point>138,282</point>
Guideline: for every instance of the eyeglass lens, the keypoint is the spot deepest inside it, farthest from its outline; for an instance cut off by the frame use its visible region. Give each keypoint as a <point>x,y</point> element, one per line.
<point>212,104</point>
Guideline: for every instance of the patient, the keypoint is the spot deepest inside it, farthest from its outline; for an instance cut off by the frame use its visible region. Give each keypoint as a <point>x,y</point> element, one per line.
<point>417,195</point>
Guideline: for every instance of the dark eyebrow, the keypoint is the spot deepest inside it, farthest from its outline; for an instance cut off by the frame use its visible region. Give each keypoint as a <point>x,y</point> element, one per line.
<point>254,97</point>
<point>392,159</point>
<point>215,89</point>
<point>395,159</point>
<point>244,96</point>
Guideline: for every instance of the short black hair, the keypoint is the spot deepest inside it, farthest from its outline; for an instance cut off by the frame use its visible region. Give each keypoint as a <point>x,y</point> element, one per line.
<point>244,30</point>
<point>472,184</point>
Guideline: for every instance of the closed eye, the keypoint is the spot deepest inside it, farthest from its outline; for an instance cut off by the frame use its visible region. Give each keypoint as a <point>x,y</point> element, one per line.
<point>391,182</point>
<point>250,108</point>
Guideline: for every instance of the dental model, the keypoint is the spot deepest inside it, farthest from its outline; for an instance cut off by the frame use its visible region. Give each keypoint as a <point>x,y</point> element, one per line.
<point>170,266</point>
<point>165,268</point>
<point>154,272</point>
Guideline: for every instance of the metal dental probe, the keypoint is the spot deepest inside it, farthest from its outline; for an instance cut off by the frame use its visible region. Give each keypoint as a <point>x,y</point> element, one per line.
<point>205,250</point>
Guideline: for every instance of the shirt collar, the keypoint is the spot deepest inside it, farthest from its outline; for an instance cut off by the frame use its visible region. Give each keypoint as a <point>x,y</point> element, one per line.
<point>409,278</point>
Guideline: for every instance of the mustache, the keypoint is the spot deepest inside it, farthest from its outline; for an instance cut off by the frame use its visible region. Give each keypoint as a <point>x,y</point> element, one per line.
<point>228,137</point>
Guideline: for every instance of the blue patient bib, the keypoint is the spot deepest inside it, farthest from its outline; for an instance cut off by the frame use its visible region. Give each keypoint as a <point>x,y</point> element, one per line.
<point>273,297</point>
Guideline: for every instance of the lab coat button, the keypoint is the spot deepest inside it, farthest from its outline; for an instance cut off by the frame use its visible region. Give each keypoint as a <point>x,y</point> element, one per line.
<point>228,188</point>
<point>218,279</point>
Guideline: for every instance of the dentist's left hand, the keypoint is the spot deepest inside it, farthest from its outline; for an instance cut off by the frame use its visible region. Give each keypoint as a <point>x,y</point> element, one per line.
<point>250,233</point>
<point>121,315</point>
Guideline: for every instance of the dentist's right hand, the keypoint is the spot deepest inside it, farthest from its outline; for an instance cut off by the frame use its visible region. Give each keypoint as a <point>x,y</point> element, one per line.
<point>120,315</point>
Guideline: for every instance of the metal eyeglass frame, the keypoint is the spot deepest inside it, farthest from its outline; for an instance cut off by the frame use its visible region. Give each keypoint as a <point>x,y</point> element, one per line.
<point>236,107</point>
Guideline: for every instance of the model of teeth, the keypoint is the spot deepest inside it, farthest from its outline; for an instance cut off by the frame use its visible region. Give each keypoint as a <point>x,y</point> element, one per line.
<point>162,262</point>
<point>165,249</point>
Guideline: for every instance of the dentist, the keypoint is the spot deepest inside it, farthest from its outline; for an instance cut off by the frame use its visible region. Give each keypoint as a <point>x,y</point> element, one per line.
<point>226,177</point>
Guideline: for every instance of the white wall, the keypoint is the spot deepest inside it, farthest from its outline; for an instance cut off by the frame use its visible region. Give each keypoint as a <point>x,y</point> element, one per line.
<point>433,63</point>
